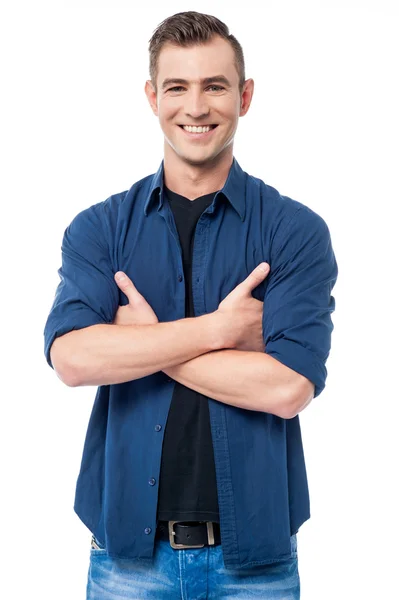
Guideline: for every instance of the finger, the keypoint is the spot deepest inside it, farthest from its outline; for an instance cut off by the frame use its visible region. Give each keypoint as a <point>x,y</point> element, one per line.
<point>127,286</point>
<point>256,277</point>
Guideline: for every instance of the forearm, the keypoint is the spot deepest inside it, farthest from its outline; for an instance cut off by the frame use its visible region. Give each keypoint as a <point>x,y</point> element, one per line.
<point>250,380</point>
<point>110,354</point>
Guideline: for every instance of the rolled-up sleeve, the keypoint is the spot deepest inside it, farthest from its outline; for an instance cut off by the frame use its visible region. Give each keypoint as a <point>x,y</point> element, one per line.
<point>298,303</point>
<point>87,293</point>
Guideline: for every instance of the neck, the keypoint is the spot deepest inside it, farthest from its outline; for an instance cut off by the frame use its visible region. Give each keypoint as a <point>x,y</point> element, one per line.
<point>193,181</point>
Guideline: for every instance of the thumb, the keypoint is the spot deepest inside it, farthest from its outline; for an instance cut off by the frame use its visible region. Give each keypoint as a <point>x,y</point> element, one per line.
<point>127,286</point>
<point>256,277</point>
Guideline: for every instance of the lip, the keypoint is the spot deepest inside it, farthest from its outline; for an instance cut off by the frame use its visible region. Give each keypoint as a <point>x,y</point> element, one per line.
<point>198,136</point>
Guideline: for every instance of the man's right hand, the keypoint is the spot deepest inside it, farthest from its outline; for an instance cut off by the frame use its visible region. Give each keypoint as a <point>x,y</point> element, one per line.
<point>241,314</point>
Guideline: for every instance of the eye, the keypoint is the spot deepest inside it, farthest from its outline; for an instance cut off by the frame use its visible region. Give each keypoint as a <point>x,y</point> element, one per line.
<point>218,87</point>
<point>177,87</point>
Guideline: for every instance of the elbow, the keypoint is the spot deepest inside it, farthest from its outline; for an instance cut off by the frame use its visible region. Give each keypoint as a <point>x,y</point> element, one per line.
<point>60,358</point>
<point>298,401</point>
<point>66,374</point>
<point>289,413</point>
<point>280,404</point>
<point>70,379</point>
<point>287,410</point>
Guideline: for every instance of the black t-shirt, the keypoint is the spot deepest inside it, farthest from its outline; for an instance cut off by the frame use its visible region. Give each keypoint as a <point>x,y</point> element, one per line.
<point>187,483</point>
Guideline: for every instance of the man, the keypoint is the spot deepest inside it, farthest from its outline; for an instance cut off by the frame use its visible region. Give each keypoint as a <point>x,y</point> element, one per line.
<point>193,482</point>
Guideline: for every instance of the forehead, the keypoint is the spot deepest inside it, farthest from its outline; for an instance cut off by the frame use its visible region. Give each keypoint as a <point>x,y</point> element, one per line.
<point>198,61</point>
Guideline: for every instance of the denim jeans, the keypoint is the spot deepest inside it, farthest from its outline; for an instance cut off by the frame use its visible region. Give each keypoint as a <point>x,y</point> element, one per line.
<point>190,574</point>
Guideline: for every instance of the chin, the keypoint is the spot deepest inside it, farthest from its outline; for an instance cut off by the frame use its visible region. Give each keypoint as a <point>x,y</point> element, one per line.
<point>195,159</point>
<point>196,162</point>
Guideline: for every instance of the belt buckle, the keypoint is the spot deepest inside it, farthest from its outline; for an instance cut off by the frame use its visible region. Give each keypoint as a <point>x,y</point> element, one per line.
<point>209,527</point>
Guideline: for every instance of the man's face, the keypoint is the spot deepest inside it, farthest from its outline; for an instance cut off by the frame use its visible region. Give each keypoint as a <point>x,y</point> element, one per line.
<point>198,86</point>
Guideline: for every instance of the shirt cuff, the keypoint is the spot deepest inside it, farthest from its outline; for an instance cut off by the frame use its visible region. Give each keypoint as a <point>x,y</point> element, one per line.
<point>66,327</point>
<point>300,359</point>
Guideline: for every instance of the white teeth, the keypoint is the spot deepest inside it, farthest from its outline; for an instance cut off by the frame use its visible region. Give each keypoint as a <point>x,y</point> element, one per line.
<point>193,129</point>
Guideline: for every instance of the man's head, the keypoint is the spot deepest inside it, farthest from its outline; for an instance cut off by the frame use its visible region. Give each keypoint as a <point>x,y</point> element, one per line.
<point>197,79</point>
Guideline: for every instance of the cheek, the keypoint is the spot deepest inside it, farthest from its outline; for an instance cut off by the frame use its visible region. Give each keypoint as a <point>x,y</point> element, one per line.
<point>166,111</point>
<point>228,113</point>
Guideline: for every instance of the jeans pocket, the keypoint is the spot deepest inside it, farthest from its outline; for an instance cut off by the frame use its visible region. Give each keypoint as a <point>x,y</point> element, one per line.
<point>95,545</point>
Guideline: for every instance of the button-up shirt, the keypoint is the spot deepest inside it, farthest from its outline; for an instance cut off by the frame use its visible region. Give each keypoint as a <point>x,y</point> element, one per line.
<point>261,476</point>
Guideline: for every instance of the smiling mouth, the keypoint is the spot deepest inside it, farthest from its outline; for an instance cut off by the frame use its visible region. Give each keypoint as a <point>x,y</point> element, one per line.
<point>198,128</point>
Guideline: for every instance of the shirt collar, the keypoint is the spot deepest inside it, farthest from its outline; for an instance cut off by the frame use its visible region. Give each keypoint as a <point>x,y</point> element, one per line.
<point>233,189</point>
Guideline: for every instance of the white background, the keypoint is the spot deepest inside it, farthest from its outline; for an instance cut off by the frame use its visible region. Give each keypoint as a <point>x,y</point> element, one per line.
<point>322,129</point>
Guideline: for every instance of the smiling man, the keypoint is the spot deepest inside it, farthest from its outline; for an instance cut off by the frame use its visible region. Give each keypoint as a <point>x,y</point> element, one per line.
<point>199,302</point>
<point>198,93</point>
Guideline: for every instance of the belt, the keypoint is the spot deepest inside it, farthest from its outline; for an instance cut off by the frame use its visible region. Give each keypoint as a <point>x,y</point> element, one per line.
<point>197,533</point>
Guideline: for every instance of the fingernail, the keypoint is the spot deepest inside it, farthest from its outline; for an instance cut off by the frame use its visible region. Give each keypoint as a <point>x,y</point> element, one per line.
<point>120,276</point>
<point>263,267</point>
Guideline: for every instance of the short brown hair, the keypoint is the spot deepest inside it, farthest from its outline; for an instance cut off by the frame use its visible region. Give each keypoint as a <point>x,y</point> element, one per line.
<point>187,29</point>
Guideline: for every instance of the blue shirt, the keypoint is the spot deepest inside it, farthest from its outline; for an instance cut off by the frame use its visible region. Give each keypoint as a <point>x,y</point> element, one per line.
<point>261,475</point>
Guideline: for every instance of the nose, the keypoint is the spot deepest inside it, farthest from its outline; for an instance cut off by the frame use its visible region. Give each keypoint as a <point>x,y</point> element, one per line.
<point>196,104</point>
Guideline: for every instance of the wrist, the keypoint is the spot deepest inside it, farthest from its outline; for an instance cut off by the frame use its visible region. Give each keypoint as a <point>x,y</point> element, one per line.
<point>219,330</point>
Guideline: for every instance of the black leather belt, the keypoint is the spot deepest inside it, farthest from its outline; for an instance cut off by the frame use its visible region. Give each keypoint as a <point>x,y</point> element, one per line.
<point>189,534</point>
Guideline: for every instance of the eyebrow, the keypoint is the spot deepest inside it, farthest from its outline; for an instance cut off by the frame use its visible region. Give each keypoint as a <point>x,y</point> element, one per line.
<point>206,81</point>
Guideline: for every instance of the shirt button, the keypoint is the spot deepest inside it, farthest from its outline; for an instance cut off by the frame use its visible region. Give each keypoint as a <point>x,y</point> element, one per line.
<point>147,530</point>
<point>158,427</point>
<point>151,481</point>
<point>180,278</point>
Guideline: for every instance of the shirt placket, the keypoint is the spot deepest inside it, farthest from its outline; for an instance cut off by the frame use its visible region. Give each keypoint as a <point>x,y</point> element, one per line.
<point>217,412</point>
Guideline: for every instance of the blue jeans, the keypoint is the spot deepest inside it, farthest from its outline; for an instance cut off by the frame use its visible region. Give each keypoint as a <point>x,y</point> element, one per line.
<point>190,574</point>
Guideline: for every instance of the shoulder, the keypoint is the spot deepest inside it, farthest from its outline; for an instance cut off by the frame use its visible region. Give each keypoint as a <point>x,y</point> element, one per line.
<point>290,216</point>
<point>108,212</point>
<point>95,214</point>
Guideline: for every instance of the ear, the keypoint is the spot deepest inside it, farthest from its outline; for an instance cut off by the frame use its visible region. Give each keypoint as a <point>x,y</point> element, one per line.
<point>151,96</point>
<point>246,96</point>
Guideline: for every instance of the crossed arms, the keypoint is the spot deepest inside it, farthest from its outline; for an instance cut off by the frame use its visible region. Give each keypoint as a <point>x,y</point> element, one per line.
<point>270,360</point>
<point>220,355</point>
